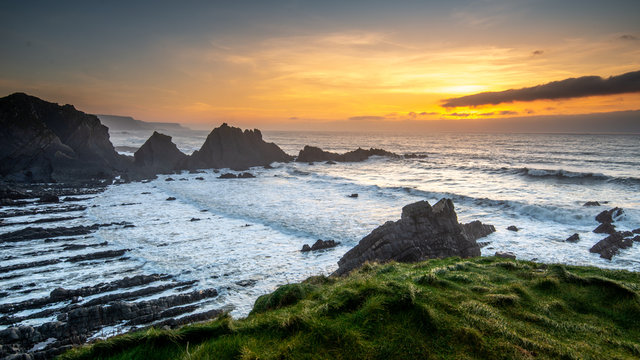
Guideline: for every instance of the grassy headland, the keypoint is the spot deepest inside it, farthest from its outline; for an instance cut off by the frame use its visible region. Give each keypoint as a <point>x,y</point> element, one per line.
<point>480,308</point>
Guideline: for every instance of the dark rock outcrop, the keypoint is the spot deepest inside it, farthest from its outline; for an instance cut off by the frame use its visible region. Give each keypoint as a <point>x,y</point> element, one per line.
<point>319,245</point>
<point>605,228</point>
<point>513,228</point>
<point>609,246</point>
<point>159,155</point>
<point>423,232</point>
<point>43,141</point>
<point>573,238</point>
<point>314,154</point>
<point>608,216</point>
<point>230,147</point>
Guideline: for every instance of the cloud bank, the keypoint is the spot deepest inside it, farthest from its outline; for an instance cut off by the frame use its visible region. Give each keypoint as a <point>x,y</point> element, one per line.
<point>564,89</point>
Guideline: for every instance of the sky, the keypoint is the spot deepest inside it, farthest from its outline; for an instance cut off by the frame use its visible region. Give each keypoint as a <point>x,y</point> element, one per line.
<point>325,64</point>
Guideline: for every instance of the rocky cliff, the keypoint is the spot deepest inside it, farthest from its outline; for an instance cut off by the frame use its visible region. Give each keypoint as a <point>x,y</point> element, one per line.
<point>423,232</point>
<point>230,147</point>
<point>159,155</point>
<point>43,141</point>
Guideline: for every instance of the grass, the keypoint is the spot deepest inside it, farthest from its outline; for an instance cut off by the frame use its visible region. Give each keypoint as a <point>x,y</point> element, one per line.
<point>481,308</point>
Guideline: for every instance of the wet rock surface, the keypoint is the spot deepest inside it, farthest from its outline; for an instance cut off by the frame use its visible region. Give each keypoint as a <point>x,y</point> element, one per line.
<point>617,240</point>
<point>423,232</point>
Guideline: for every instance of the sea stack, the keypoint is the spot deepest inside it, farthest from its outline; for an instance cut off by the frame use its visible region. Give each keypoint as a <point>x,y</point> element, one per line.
<point>230,147</point>
<point>423,232</point>
<point>159,155</point>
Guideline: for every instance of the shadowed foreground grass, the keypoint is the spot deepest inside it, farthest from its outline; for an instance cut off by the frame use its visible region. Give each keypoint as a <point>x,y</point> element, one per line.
<point>441,309</point>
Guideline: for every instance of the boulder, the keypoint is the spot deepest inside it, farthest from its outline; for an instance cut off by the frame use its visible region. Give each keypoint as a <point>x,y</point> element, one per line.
<point>228,176</point>
<point>230,147</point>
<point>513,228</point>
<point>319,245</point>
<point>159,155</point>
<point>423,232</point>
<point>43,141</point>
<point>505,255</point>
<point>354,195</point>
<point>312,154</point>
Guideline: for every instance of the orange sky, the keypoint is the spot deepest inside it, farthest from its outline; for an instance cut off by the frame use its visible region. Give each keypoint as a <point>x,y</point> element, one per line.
<point>276,79</point>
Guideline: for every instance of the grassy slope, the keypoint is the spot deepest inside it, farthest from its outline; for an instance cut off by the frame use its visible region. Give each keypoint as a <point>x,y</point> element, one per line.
<point>441,309</point>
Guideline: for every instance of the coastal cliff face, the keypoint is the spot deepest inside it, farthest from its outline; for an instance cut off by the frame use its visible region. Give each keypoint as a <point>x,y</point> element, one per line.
<point>423,232</point>
<point>230,147</point>
<point>43,141</point>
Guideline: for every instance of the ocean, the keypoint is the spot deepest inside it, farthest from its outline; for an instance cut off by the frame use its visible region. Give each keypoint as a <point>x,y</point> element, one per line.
<point>243,236</point>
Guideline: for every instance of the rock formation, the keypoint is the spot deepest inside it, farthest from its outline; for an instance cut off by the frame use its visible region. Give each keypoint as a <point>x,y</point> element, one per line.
<point>43,141</point>
<point>313,154</point>
<point>230,147</point>
<point>609,246</point>
<point>423,232</point>
<point>159,155</point>
<point>319,245</point>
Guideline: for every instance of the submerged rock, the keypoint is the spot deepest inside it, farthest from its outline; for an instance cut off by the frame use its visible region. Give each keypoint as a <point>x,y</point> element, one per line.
<point>591,203</point>
<point>354,195</point>
<point>423,232</point>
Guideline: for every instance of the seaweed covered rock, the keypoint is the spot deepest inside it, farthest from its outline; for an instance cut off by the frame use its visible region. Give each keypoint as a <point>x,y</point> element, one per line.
<point>423,232</point>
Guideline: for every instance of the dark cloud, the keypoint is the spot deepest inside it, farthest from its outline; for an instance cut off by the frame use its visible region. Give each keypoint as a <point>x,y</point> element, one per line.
<point>487,114</point>
<point>459,114</point>
<point>367,118</point>
<point>564,89</point>
<point>628,37</point>
<point>428,113</point>
<point>537,52</point>
<point>508,112</point>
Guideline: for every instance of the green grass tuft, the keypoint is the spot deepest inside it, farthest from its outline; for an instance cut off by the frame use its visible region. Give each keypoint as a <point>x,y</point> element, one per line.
<point>439,309</point>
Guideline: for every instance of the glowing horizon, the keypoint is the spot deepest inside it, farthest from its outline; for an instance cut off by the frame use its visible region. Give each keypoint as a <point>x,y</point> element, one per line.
<point>309,63</point>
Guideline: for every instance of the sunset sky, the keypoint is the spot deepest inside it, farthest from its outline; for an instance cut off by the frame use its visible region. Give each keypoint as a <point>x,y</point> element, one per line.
<point>287,64</point>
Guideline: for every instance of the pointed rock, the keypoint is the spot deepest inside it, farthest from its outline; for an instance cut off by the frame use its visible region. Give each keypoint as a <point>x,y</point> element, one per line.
<point>159,155</point>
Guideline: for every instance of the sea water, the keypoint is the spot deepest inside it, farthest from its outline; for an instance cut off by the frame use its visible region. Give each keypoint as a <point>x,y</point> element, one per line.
<point>243,236</point>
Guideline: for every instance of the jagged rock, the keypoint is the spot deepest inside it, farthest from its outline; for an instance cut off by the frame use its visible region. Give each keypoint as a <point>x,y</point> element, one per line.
<point>169,179</point>
<point>159,155</point>
<point>636,231</point>
<point>605,228</point>
<point>354,195</point>
<point>44,142</point>
<point>313,154</point>
<point>423,232</point>
<point>230,147</point>
<point>476,230</point>
<point>505,255</point>
<point>319,245</point>
<point>609,246</point>
<point>591,203</point>
<point>513,228</point>
<point>573,238</point>
<point>607,216</point>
